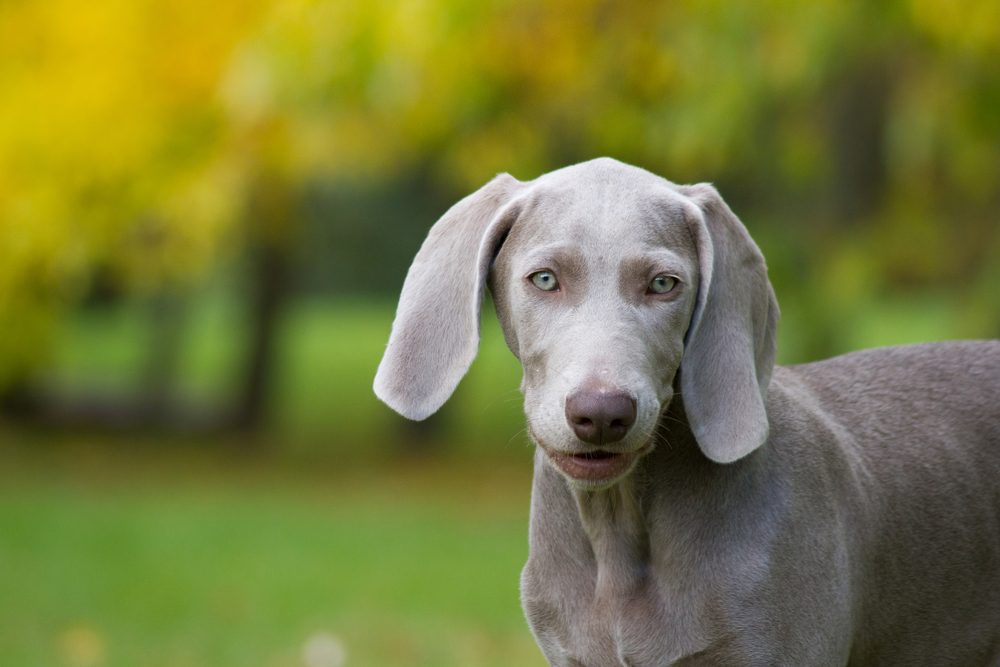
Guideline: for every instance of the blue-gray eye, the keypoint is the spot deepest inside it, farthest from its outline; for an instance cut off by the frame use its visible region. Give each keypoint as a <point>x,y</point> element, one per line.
<point>662,284</point>
<point>544,280</point>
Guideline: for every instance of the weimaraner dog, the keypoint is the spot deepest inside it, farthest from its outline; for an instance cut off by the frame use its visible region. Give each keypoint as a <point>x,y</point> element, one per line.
<point>692,503</point>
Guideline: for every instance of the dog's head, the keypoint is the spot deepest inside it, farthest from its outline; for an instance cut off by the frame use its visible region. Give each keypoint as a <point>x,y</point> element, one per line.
<point>614,288</point>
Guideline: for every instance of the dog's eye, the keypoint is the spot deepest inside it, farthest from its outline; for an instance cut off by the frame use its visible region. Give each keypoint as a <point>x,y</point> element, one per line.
<point>662,284</point>
<point>544,280</point>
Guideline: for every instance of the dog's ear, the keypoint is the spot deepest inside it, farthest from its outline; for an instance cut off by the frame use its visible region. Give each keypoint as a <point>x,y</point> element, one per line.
<point>730,344</point>
<point>435,335</point>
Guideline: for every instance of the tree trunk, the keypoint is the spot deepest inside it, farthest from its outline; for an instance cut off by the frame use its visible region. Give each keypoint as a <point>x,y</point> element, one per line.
<point>858,115</point>
<point>271,225</point>
<point>166,342</point>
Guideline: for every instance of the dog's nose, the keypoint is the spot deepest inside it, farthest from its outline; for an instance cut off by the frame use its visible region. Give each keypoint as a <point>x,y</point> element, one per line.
<point>600,417</point>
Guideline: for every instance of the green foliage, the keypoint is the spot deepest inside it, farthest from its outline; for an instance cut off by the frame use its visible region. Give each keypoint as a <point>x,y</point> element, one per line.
<point>147,142</point>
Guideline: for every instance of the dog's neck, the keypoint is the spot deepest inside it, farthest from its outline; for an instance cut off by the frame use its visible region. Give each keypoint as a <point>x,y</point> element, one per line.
<point>613,521</point>
<point>648,551</point>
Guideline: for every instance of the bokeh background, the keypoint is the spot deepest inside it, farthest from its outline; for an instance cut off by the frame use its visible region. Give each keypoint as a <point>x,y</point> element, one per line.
<point>206,213</point>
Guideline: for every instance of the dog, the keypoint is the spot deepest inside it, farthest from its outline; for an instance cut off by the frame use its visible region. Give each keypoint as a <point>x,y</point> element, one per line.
<point>692,503</point>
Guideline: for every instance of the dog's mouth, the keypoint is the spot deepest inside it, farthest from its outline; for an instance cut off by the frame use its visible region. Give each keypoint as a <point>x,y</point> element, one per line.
<point>595,467</point>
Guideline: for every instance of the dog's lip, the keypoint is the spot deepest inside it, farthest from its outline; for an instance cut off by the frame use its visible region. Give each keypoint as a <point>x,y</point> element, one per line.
<point>594,466</point>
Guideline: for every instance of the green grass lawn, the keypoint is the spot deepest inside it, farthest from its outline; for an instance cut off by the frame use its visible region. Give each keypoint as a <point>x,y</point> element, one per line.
<point>146,557</point>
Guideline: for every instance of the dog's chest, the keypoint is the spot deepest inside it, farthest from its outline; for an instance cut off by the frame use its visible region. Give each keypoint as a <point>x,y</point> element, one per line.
<point>591,590</point>
<point>590,621</point>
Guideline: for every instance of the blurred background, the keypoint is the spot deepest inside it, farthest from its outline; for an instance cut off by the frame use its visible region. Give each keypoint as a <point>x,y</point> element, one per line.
<point>206,213</point>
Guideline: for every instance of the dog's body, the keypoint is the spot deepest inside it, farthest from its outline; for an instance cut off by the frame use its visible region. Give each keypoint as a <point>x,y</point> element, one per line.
<point>866,531</point>
<point>692,504</point>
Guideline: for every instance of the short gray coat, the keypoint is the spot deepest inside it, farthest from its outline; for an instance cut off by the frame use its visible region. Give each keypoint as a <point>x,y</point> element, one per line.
<point>845,512</point>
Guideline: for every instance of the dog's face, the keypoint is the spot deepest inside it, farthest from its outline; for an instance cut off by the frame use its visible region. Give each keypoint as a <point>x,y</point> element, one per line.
<point>594,287</point>
<point>609,281</point>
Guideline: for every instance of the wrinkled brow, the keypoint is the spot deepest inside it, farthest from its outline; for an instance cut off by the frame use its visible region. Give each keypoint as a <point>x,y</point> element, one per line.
<point>656,261</point>
<point>558,257</point>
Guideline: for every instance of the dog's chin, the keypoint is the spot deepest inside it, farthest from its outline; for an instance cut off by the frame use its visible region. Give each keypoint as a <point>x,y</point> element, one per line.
<point>595,469</point>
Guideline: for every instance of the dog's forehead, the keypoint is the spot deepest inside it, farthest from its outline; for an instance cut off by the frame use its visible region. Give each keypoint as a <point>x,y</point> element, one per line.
<point>604,203</point>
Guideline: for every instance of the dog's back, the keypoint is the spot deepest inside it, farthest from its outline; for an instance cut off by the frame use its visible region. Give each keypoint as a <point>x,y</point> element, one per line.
<point>917,431</point>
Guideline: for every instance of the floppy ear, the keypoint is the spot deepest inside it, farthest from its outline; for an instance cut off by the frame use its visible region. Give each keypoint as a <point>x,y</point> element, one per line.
<point>436,332</point>
<point>730,344</point>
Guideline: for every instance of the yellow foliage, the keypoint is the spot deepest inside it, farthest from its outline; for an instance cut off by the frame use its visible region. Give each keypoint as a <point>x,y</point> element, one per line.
<point>109,127</point>
<point>972,26</point>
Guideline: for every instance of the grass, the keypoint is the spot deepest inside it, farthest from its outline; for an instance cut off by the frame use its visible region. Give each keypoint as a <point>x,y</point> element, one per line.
<point>180,557</point>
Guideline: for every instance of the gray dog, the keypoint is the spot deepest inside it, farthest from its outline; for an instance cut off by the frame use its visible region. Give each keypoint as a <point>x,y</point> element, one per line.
<point>693,504</point>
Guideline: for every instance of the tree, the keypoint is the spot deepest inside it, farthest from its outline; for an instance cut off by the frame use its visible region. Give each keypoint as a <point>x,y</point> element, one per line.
<point>141,139</point>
